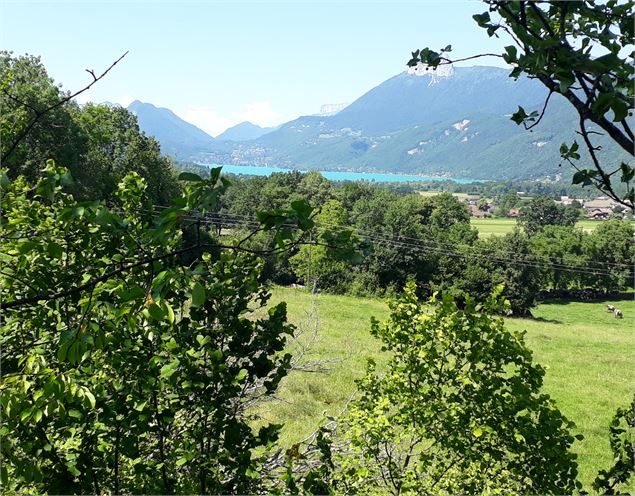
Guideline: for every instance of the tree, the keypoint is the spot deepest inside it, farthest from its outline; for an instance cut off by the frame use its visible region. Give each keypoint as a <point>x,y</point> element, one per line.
<point>506,202</point>
<point>123,369</point>
<point>315,266</point>
<point>558,247</point>
<point>583,51</point>
<point>500,260</point>
<point>25,90</point>
<point>115,146</point>
<point>97,143</point>
<point>459,409</point>
<point>611,243</point>
<point>542,211</point>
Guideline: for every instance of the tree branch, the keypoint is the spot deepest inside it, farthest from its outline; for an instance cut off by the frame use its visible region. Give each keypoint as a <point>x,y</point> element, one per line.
<point>39,114</point>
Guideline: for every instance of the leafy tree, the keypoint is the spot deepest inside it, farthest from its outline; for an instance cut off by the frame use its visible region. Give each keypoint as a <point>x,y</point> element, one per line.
<point>123,370</point>
<point>500,260</point>
<point>25,89</point>
<point>582,51</point>
<point>506,202</point>
<point>115,146</point>
<point>98,144</point>
<point>557,247</point>
<point>447,210</point>
<point>542,211</point>
<point>611,243</point>
<point>459,409</point>
<point>315,265</point>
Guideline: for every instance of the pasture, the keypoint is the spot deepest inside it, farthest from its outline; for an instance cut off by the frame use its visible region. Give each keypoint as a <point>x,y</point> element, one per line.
<point>587,353</point>
<point>496,226</point>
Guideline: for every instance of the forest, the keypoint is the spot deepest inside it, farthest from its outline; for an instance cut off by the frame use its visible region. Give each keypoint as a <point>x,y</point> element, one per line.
<point>139,339</point>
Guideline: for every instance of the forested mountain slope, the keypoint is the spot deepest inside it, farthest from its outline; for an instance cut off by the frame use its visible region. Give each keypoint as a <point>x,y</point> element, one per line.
<point>454,123</point>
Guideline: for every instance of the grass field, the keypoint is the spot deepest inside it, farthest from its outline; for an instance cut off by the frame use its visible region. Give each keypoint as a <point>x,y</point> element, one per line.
<point>588,354</point>
<point>499,226</point>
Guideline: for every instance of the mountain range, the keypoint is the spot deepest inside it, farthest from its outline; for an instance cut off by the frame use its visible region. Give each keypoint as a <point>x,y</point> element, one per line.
<point>454,123</point>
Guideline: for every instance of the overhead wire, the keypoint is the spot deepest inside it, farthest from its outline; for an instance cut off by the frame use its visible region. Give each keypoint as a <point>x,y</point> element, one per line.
<point>528,260</point>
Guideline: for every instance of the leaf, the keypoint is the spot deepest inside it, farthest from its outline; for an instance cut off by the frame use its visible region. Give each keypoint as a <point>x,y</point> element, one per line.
<point>55,250</point>
<point>91,398</point>
<point>170,311</point>
<point>168,369</point>
<point>156,311</point>
<point>37,415</point>
<point>511,54</point>
<point>627,172</point>
<point>181,461</point>
<point>519,116</point>
<point>132,293</point>
<point>478,432</point>
<point>482,19</point>
<point>189,176</point>
<point>214,174</point>
<point>620,110</point>
<point>198,295</point>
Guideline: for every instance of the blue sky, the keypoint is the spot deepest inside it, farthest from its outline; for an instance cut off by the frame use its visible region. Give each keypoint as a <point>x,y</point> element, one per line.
<point>219,63</point>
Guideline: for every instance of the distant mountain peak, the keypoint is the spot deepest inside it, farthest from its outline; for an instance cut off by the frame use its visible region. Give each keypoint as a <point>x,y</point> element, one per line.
<point>177,137</point>
<point>245,131</point>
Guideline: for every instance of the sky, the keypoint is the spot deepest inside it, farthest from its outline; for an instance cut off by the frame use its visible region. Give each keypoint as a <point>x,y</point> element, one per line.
<point>216,64</point>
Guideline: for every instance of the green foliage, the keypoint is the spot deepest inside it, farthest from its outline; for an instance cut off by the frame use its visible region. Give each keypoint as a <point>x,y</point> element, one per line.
<point>542,211</point>
<point>559,246</point>
<point>622,432</point>
<point>458,410</point>
<point>317,266</point>
<point>583,51</point>
<point>124,371</point>
<point>612,243</point>
<point>498,260</point>
<point>97,143</point>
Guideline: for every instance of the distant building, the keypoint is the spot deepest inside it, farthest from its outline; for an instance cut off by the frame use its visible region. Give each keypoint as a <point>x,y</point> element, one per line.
<point>477,213</point>
<point>513,212</point>
<point>567,200</point>
<point>600,213</point>
<point>600,202</point>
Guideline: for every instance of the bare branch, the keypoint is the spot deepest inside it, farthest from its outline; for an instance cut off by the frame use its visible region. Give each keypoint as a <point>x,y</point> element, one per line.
<point>542,113</point>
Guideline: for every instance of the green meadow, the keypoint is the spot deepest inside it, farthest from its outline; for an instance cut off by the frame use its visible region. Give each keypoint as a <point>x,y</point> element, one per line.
<point>587,353</point>
<point>495,226</point>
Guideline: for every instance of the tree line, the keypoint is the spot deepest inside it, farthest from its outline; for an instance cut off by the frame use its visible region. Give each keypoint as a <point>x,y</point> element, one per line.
<point>429,240</point>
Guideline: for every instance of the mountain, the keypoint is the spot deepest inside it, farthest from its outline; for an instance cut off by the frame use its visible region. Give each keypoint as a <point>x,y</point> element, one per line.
<point>244,131</point>
<point>454,122</point>
<point>177,137</point>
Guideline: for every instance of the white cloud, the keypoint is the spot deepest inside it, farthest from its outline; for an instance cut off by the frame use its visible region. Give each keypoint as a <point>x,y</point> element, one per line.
<point>125,100</point>
<point>213,122</point>
<point>208,119</point>
<point>259,113</point>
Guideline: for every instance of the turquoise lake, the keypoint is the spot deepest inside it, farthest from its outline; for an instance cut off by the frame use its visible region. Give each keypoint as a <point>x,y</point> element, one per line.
<point>251,170</point>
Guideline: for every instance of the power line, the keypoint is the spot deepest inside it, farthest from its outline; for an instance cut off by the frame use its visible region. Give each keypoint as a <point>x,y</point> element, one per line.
<point>421,245</point>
